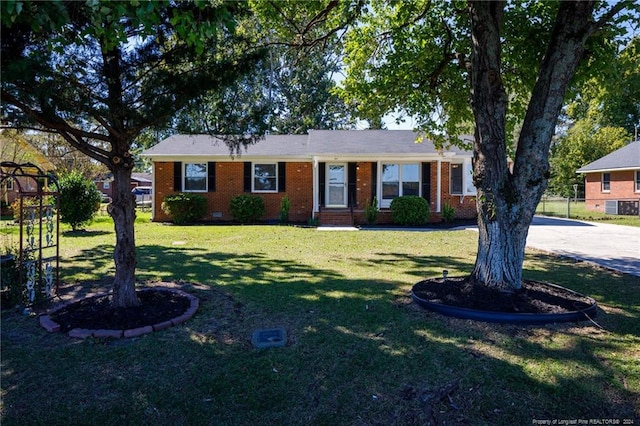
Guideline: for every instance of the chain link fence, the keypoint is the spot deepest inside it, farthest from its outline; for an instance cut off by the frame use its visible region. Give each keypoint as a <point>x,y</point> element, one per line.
<point>579,208</point>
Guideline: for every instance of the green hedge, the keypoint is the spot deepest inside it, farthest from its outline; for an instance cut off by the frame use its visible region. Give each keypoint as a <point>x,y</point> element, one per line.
<point>185,207</point>
<point>247,208</point>
<point>409,210</point>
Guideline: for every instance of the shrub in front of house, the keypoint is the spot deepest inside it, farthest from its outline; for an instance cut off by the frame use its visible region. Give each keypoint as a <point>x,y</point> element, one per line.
<point>185,207</point>
<point>371,211</point>
<point>409,210</point>
<point>79,200</point>
<point>247,208</point>
<point>285,206</point>
<point>448,213</point>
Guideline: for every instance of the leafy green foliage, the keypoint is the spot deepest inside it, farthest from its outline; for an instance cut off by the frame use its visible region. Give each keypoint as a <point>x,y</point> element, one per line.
<point>247,208</point>
<point>12,293</point>
<point>100,73</point>
<point>185,207</point>
<point>79,200</point>
<point>371,211</point>
<point>409,210</point>
<point>612,97</point>
<point>285,206</point>
<point>448,213</point>
<point>584,143</point>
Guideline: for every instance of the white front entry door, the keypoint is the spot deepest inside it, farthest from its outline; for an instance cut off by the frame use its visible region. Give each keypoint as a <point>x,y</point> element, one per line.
<point>336,185</point>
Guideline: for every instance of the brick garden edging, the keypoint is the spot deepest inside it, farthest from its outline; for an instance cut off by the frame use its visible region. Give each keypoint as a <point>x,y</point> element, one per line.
<point>82,333</point>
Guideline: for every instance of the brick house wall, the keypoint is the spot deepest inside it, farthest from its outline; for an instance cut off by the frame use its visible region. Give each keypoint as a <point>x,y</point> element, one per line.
<point>465,206</point>
<point>229,182</point>
<point>622,187</point>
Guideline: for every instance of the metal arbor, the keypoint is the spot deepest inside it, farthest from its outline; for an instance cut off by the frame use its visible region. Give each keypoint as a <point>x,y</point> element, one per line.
<point>38,205</point>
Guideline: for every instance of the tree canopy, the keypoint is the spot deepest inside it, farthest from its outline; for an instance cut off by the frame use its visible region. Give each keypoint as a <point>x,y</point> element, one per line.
<point>499,70</point>
<point>100,73</point>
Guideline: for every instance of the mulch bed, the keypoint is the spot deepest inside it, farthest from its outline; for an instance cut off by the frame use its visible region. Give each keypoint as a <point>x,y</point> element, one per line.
<point>534,297</point>
<point>156,306</point>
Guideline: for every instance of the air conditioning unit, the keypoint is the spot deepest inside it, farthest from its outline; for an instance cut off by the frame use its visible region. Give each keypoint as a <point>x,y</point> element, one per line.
<point>611,206</point>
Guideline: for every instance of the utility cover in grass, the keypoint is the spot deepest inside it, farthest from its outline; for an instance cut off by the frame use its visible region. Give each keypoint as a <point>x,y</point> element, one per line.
<point>269,338</point>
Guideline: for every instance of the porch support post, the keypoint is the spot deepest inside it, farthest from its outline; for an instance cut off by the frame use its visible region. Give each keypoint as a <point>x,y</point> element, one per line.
<point>439,186</point>
<point>379,183</point>
<point>316,187</point>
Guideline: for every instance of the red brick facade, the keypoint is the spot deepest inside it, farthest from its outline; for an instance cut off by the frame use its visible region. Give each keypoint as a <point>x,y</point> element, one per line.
<point>621,187</point>
<point>229,182</point>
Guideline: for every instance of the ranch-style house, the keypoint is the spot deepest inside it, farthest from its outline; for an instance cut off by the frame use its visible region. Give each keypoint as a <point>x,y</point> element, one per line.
<point>328,175</point>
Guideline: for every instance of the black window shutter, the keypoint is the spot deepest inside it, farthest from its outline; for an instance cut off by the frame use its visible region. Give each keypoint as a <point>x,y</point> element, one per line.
<point>322,177</point>
<point>426,181</point>
<point>374,181</point>
<point>177,176</point>
<point>211,176</point>
<point>351,189</point>
<point>282,176</point>
<point>247,176</point>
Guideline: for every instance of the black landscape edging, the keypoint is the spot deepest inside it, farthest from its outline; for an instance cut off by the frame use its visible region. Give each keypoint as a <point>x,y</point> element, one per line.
<point>509,317</point>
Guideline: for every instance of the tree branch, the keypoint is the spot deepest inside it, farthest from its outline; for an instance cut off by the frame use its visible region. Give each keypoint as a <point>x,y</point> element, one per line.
<point>58,125</point>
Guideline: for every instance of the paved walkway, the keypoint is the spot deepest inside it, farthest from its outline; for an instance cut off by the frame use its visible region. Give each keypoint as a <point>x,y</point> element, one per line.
<point>612,246</point>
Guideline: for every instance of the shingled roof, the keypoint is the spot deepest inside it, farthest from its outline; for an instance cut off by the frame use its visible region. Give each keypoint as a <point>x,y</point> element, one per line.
<point>625,158</point>
<point>316,143</point>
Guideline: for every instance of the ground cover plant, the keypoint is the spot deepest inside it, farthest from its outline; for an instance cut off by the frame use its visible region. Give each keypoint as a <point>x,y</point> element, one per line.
<point>358,351</point>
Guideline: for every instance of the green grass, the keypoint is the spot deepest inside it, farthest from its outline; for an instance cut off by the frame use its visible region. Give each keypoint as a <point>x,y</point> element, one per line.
<point>577,210</point>
<point>359,351</point>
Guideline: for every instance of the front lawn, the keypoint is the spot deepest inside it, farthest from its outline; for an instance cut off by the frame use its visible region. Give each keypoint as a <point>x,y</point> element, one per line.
<point>577,210</point>
<point>359,351</point>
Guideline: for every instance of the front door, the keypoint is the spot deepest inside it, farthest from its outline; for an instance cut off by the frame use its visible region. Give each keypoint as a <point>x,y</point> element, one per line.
<point>336,185</point>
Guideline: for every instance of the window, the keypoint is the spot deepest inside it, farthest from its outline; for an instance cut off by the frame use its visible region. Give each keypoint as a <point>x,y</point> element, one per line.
<point>106,184</point>
<point>265,177</point>
<point>195,177</point>
<point>410,179</point>
<point>606,182</point>
<point>399,180</point>
<point>456,179</point>
<point>638,181</point>
<point>390,181</point>
<point>8,184</point>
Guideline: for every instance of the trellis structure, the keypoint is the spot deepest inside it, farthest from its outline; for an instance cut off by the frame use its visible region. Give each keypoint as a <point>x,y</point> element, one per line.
<point>39,251</point>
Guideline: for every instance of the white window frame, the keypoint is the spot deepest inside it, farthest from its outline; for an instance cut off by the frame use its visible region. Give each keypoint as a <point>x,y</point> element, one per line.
<point>253,176</point>
<point>602,182</point>
<point>637,181</point>
<point>385,203</point>
<point>184,177</point>
<point>468,187</point>
<point>106,184</point>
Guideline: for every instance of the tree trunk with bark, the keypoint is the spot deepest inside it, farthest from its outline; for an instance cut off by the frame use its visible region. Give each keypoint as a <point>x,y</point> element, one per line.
<point>506,200</point>
<point>122,210</point>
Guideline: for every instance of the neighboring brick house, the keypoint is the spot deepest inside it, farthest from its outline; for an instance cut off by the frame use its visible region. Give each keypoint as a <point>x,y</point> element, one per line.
<point>103,183</point>
<point>612,183</point>
<point>328,175</point>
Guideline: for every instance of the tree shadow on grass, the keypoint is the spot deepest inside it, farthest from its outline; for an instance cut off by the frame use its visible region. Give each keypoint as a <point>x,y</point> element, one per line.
<point>84,233</point>
<point>357,354</point>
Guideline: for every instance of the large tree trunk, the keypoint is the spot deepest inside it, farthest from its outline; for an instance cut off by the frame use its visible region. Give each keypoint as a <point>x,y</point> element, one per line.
<point>506,200</point>
<point>122,210</point>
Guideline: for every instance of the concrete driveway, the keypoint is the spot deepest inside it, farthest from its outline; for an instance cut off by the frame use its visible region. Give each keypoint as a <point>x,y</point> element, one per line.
<point>611,246</point>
